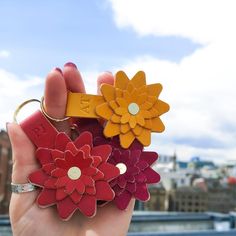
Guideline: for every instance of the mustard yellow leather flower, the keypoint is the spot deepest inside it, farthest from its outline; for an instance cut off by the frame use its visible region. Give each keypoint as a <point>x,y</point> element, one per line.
<point>132,109</point>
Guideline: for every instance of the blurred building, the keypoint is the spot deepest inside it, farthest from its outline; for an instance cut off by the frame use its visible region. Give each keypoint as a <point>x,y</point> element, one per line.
<point>188,199</point>
<point>5,172</point>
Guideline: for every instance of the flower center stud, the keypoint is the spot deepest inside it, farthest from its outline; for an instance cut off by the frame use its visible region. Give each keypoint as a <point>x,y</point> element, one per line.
<point>122,167</point>
<point>133,108</point>
<point>74,173</point>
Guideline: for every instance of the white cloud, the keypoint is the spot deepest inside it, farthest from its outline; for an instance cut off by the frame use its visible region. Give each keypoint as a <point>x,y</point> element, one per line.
<point>13,91</point>
<point>4,54</point>
<point>201,87</point>
<point>201,20</point>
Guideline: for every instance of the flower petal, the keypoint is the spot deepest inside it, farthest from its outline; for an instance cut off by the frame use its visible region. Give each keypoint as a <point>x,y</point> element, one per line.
<point>87,205</point>
<point>46,198</point>
<point>111,129</point>
<point>56,154</point>
<point>58,172</point>
<point>119,92</point>
<point>115,118</point>
<point>60,194</point>
<point>113,104</point>
<point>139,79</point>
<point>98,176</point>
<point>44,156</point>
<point>79,185</point>
<point>131,187</point>
<point>104,191</point>
<point>48,168</point>
<point>154,89</point>
<point>145,114</point>
<point>124,128</point>
<point>141,99</point>
<point>125,118</point>
<point>142,193</point>
<point>148,123</point>
<point>66,208</point>
<point>86,150</point>
<point>62,163</point>
<point>137,130</point>
<point>76,197</point>
<point>104,111</point>
<point>72,148</point>
<point>108,92</point>
<point>90,171</point>
<point>151,175</point>
<point>109,171</point>
<point>145,137</point>
<point>140,178</point>
<point>157,125</point>
<point>142,165</point>
<point>161,107</point>
<point>38,177</point>
<point>83,139</point>
<point>87,180</point>
<point>121,110</point>
<point>122,201</point>
<point>104,151</point>
<point>70,187</point>
<point>50,183</point>
<point>122,102</point>
<point>132,121</point>
<point>121,80</point>
<point>96,160</point>
<point>140,120</point>
<point>146,105</point>
<point>61,141</point>
<point>90,190</point>
<point>118,190</point>
<point>126,139</point>
<point>61,182</point>
<point>121,181</point>
<point>149,157</point>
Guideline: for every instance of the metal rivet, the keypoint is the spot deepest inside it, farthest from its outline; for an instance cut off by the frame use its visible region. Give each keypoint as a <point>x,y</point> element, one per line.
<point>133,108</point>
<point>74,173</point>
<point>122,167</point>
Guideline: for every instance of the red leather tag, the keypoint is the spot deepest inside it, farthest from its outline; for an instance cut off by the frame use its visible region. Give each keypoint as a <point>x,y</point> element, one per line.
<point>39,130</point>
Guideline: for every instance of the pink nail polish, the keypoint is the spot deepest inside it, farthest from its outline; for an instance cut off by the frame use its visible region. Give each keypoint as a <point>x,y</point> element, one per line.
<point>59,70</point>
<point>70,64</point>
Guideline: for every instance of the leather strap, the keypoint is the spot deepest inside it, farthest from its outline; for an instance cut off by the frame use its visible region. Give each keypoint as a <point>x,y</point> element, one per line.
<point>39,130</point>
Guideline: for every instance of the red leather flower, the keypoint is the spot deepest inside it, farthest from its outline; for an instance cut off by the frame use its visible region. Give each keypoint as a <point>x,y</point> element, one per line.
<point>74,175</point>
<point>135,174</point>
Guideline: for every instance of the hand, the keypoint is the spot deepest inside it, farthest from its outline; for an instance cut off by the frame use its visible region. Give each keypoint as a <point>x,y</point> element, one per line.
<point>26,217</point>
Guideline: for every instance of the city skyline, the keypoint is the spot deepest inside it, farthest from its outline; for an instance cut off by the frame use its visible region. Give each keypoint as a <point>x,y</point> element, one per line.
<point>187,46</point>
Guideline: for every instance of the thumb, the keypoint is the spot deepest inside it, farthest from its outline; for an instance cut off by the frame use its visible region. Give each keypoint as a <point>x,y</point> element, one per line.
<point>24,163</point>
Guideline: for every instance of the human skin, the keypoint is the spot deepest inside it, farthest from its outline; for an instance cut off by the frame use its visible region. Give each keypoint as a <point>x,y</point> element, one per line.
<point>26,217</point>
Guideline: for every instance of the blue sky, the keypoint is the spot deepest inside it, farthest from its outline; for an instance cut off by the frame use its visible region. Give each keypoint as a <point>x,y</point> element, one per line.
<point>43,34</point>
<point>187,47</point>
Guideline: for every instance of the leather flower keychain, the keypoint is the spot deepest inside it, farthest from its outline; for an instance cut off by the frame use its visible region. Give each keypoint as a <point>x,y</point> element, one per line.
<point>130,107</point>
<point>105,162</point>
<point>73,175</point>
<point>134,165</point>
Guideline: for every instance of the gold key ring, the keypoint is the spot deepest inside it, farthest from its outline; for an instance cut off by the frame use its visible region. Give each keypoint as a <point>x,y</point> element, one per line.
<point>21,106</point>
<point>50,117</point>
<point>42,109</point>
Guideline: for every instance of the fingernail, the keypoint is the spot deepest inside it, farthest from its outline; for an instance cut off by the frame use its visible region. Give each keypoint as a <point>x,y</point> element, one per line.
<point>70,64</point>
<point>58,70</point>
